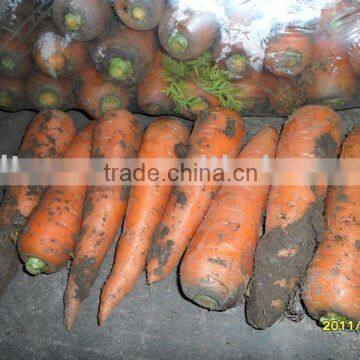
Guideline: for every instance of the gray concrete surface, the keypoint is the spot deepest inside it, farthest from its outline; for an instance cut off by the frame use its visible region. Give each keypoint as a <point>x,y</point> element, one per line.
<point>153,322</point>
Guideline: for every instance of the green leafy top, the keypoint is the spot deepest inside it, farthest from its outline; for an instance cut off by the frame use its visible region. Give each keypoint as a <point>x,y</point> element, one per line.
<point>206,75</point>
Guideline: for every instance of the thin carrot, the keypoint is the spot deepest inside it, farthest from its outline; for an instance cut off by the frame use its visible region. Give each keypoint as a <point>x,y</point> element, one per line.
<point>48,135</point>
<point>332,285</point>
<point>48,239</point>
<point>116,135</point>
<point>219,262</point>
<point>217,132</point>
<point>294,217</point>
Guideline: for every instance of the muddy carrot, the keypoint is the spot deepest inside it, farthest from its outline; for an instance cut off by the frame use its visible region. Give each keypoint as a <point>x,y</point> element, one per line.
<point>330,80</point>
<point>217,132</point>
<point>219,262</point>
<point>47,93</point>
<point>164,138</point>
<point>289,53</point>
<point>187,34</point>
<point>97,96</point>
<point>332,285</point>
<point>83,20</point>
<point>48,135</point>
<point>12,94</point>
<point>294,217</point>
<point>48,238</point>
<point>140,15</point>
<point>124,55</point>
<point>58,56</point>
<point>116,135</point>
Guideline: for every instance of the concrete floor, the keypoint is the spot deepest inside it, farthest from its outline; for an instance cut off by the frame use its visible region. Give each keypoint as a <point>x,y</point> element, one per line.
<point>153,322</point>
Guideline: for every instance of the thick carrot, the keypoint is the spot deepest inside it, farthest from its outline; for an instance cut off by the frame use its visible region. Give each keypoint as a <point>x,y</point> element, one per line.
<point>219,262</point>
<point>332,285</point>
<point>12,94</point>
<point>289,53</point>
<point>48,239</point>
<point>97,96</point>
<point>163,139</point>
<point>116,135</point>
<point>294,217</point>
<point>48,135</point>
<point>217,132</point>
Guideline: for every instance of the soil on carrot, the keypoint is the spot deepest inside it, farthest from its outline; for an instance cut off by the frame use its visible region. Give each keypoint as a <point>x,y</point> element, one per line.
<point>181,198</point>
<point>325,146</point>
<point>230,129</point>
<point>180,150</point>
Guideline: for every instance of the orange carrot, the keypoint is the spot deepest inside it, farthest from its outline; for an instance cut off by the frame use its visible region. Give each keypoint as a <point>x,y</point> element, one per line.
<point>48,239</point>
<point>163,139</point>
<point>48,135</point>
<point>294,217</point>
<point>219,262</point>
<point>116,135</point>
<point>332,285</point>
<point>217,132</point>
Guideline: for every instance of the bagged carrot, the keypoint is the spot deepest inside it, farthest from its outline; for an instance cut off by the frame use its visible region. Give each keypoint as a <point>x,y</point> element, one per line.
<point>116,135</point>
<point>294,217</point>
<point>331,291</point>
<point>145,209</point>
<point>217,132</point>
<point>47,136</point>
<point>219,262</point>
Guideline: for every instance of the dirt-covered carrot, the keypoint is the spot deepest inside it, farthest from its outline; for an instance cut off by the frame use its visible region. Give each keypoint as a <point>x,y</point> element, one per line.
<point>116,135</point>
<point>48,238</point>
<point>44,92</point>
<point>219,262</point>
<point>293,217</point>
<point>288,53</point>
<point>330,79</point>
<point>12,94</point>
<point>124,54</point>
<point>217,132</point>
<point>150,90</point>
<point>15,56</point>
<point>145,209</point>
<point>96,95</point>
<point>140,14</point>
<point>187,34</point>
<point>58,56</point>
<point>284,95</point>
<point>82,19</point>
<point>47,136</point>
<point>332,285</point>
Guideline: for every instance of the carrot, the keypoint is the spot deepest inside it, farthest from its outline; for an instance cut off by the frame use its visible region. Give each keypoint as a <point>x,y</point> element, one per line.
<point>96,95</point>
<point>218,264</point>
<point>187,34</point>
<point>12,94</point>
<point>217,132</point>
<point>284,95</point>
<point>124,55</point>
<point>288,54</point>
<point>46,93</point>
<point>145,210</point>
<point>332,286</point>
<point>330,79</point>
<point>57,56</point>
<point>47,136</point>
<point>48,239</point>
<point>83,20</point>
<point>294,217</point>
<point>140,14</point>
<point>15,59</point>
<point>116,136</point>
<point>150,90</point>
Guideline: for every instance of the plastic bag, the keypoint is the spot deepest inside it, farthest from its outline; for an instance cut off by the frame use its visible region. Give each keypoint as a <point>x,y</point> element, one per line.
<point>179,57</point>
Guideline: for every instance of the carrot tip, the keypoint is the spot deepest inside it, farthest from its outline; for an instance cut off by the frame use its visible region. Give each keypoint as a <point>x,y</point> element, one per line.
<point>73,21</point>
<point>206,302</point>
<point>138,13</point>
<point>178,42</point>
<point>7,63</point>
<point>34,266</point>
<point>120,69</point>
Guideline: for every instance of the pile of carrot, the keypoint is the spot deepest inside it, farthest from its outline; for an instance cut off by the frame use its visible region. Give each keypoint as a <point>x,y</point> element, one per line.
<point>174,58</point>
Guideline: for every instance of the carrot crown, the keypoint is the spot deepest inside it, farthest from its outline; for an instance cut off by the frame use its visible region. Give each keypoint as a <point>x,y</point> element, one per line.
<point>288,60</point>
<point>48,99</point>
<point>73,21</point>
<point>120,69</point>
<point>8,63</point>
<point>206,301</point>
<point>178,42</point>
<point>334,102</point>
<point>153,109</point>
<point>138,12</point>
<point>237,64</point>
<point>110,102</point>
<point>332,316</point>
<point>35,266</point>
<point>6,99</point>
